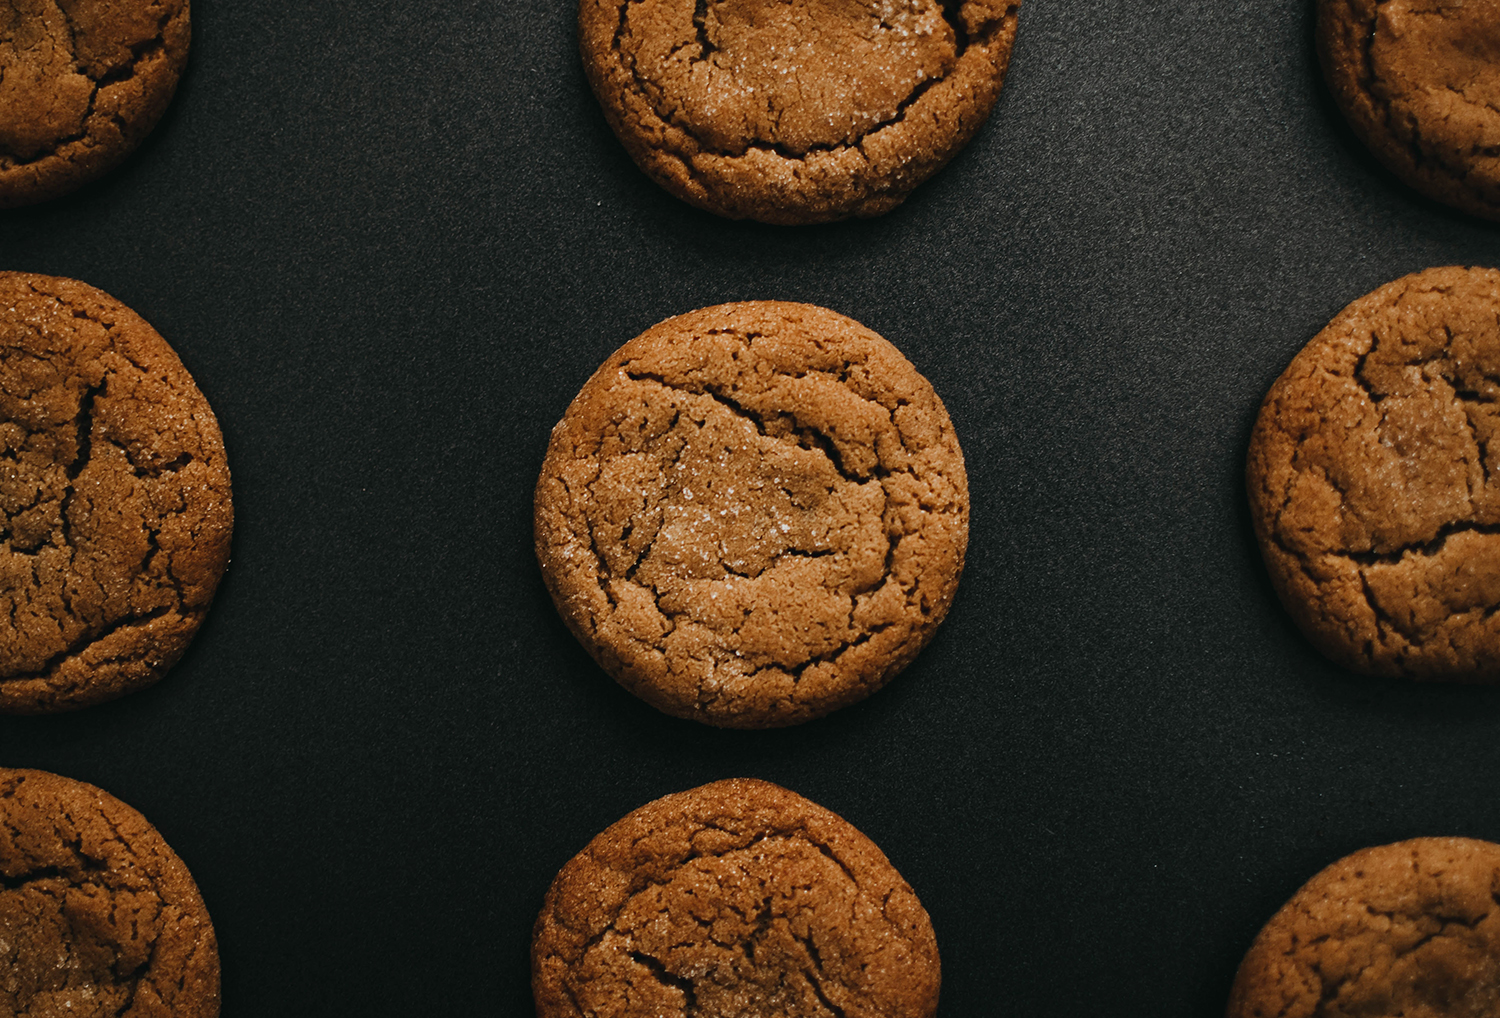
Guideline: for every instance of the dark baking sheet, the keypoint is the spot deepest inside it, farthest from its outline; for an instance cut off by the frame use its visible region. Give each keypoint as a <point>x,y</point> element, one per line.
<point>391,240</point>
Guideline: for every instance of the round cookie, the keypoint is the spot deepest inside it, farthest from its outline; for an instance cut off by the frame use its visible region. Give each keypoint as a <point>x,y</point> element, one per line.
<point>81,83</point>
<point>1374,480</point>
<point>1419,81</point>
<point>734,899</point>
<point>115,511</point>
<point>97,915</point>
<point>800,112</point>
<point>1406,929</point>
<point>753,514</point>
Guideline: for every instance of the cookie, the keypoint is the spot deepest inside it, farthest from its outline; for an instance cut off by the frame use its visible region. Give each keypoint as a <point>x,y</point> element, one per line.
<point>735,899</point>
<point>97,915</point>
<point>115,512</point>
<point>795,112</point>
<point>1419,81</point>
<point>753,514</point>
<point>1374,487</point>
<point>1406,929</point>
<point>81,83</point>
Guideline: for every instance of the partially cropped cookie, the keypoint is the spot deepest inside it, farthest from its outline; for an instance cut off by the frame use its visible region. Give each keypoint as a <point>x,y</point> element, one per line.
<point>795,112</point>
<point>753,514</point>
<point>81,83</point>
<point>1406,929</point>
<point>115,511</point>
<point>1419,81</point>
<point>737,899</point>
<point>97,915</point>
<point>1374,480</point>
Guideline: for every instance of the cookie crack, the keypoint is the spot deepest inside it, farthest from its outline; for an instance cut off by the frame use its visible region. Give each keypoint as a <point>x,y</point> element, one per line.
<point>796,833</point>
<point>1423,160</point>
<point>762,919</point>
<point>832,656</point>
<point>667,978</point>
<point>706,47</point>
<point>139,52</point>
<point>21,883</point>
<point>1385,625</point>
<point>1425,549</point>
<point>53,664</point>
<point>1357,375</point>
<point>644,87</point>
<point>815,983</point>
<point>1480,445</point>
<point>84,440</point>
<point>808,437</point>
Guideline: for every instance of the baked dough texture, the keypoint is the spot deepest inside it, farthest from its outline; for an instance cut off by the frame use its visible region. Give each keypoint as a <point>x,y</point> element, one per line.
<point>98,917</point>
<point>1419,81</point>
<point>753,514</point>
<point>81,83</point>
<point>737,899</point>
<point>795,111</point>
<point>1374,480</point>
<point>1408,929</point>
<point>115,512</point>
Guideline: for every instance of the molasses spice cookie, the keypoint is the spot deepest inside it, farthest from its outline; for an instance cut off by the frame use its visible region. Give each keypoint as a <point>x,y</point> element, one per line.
<point>738,899</point>
<point>1406,929</point>
<point>115,511</point>
<point>81,83</point>
<point>97,915</point>
<point>753,514</point>
<point>795,112</point>
<point>1374,480</point>
<point>1419,81</point>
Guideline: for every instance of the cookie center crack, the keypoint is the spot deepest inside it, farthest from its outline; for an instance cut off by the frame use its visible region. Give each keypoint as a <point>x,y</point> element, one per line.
<point>65,944</point>
<point>787,77</point>
<point>733,923</point>
<point>736,520</point>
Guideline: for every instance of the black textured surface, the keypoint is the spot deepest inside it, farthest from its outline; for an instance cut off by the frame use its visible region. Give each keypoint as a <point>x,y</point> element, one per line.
<point>390,241</point>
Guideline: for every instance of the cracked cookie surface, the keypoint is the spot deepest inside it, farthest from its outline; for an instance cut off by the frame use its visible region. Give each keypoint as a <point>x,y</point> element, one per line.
<point>753,514</point>
<point>1419,81</point>
<point>81,83</point>
<point>1374,480</point>
<point>738,899</point>
<point>98,917</point>
<point>795,111</point>
<point>1406,929</point>
<point>115,511</point>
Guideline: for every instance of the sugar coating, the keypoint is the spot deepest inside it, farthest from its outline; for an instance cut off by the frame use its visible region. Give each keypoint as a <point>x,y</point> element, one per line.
<point>1374,480</point>
<point>1419,81</point>
<point>1406,929</point>
<point>795,111</point>
<point>115,510</point>
<point>98,917</point>
<point>738,899</point>
<point>753,514</point>
<point>82,82</point>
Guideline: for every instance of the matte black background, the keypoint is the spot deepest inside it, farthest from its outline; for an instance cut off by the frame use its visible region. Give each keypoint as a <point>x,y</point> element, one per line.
<point>391,240</point>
